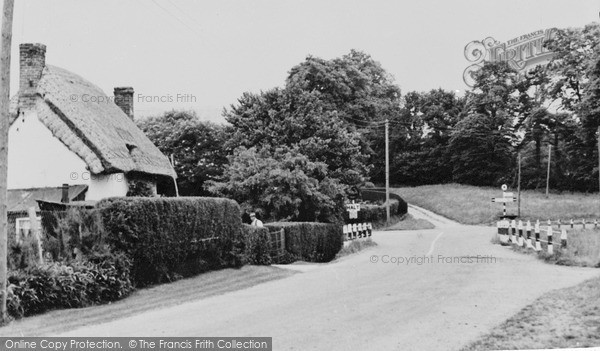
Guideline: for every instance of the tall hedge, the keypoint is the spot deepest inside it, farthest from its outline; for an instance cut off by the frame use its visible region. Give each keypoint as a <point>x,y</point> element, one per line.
<point>309,241</point>
<point>168,238</point>
<point>255,245</point>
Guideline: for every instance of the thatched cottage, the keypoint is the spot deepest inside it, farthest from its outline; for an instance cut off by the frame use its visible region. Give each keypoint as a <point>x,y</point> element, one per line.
<point>65,130</point>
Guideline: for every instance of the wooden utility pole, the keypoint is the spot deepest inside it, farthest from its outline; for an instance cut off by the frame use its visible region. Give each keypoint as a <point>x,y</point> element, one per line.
<point>174,180</point>
<point>598,158</point>
<point>519,188</point>
<point>548,174</point>
<point>5,47</point>
<point>387,174</point>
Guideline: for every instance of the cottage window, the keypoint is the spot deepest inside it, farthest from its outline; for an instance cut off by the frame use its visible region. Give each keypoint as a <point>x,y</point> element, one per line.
<point>23,228</point>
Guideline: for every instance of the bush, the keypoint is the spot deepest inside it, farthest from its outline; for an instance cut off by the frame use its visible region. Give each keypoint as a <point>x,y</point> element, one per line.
<point>378,194</point>
<point>309,241</point>
<point>256,245</point>
<point>59,285</point>
<point>169,238</point>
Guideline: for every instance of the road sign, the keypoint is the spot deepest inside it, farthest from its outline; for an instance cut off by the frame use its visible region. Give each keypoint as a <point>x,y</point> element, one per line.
<point>504,187</point>
<point>505,194</point>
<point>504,199</point>
<point>352,207</point>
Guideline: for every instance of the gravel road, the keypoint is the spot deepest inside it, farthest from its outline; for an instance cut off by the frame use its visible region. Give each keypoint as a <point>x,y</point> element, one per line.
<point>433,289</point>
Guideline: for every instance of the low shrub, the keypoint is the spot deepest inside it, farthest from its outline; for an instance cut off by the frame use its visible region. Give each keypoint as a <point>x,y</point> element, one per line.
<point>309,241</point>
<point>170,238</point>
<point>255,245</point>
<point>378,194</point>
<point>55,285</point>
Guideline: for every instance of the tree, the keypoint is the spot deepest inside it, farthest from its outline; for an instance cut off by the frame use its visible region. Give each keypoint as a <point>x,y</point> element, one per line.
<point>481,151</point>
<point>355,86</point>
<point>196,146</point>
<point>298,120</point>
<point>283,184</point>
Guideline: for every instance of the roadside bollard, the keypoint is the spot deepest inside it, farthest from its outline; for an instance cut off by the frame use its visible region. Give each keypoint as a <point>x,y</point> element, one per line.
<point>528,230</point>
<point>550,248</point>
<point>563,239</point>
<point>520,243</point>
<point>572,223</point>
<point>370,228</point>
<point>360,230</point>
<point>559,224</point>
<point>583,222</point>
<point>513,233</point>
<point>538,245</point>
<point>354,230</point>
<point>595,223</point>
<point>345,231</point>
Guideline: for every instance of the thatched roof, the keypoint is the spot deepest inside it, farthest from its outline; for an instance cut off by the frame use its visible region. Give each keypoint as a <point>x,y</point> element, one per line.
<point>98,131</point>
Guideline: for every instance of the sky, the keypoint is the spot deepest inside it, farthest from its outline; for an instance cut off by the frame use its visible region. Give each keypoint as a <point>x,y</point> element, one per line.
<point>206,53</point>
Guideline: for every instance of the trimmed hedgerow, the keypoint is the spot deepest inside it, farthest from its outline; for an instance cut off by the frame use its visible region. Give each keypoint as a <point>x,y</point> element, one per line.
<point>309,241</point>
<point>170,238</point>
<point>255,245</point>
<point>34,290</point>
<point>378,194</point>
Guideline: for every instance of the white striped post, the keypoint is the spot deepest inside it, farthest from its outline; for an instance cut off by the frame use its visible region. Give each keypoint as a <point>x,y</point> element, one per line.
<point>520,243</point>
<point>583,222</point>
<point>345,230</point>
<point>528,230</point>
<point>370,228</point>
<point>513,235</point>
<point>538,245</point>
<point>360,230</point>
<point>563,239</point>
<point>354,230</point>
<point>595,223</point>
<point>572,223</point>
<point>549,234</point>
<point>559,224</point>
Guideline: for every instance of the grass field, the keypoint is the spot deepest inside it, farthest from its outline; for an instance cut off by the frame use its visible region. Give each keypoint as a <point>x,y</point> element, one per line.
<point>565,318</point>
<point>472,205</point>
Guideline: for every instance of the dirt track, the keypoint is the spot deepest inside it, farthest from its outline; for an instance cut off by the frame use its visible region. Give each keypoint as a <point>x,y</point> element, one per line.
<point>356,304</point>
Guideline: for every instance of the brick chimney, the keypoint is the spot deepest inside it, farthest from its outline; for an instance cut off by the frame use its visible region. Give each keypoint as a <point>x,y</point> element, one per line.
<point>124,99</point>
<point>32,62</point>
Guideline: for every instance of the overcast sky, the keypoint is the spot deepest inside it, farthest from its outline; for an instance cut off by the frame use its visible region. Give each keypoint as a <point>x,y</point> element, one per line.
<point>216,50</point>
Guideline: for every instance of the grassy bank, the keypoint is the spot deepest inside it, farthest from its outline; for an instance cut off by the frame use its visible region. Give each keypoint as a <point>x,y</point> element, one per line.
<point>565,318</point>
<point>409,222</point>
<point>472,205</point>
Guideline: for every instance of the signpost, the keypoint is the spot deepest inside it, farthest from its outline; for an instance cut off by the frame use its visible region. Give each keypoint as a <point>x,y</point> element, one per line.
<point>506,197</point>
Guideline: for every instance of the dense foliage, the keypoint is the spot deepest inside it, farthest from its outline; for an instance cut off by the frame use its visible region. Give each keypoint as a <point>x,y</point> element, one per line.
<point>101,279</point>
<point>196,147</point>
<point>312,242</point>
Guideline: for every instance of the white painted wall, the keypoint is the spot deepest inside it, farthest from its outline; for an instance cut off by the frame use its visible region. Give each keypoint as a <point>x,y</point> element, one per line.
<point>106,185</point>
<point>37,159</point>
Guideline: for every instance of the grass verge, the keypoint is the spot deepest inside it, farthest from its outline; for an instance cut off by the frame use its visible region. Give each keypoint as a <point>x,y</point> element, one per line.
<point>409,222</point>
<point>564,318</point>
<point>472,205</point>
<point>355,246</point>
<point>160,296</point>
<point>583,248</point>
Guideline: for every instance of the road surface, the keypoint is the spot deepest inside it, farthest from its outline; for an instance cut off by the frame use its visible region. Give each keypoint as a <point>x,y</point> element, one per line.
<point>434,289</point>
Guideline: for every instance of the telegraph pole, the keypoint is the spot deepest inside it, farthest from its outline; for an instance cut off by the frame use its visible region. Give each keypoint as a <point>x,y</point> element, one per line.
<point>387,173</point>
<point>5,47</point>
<point>519,188</point>
<point>548,174</point>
